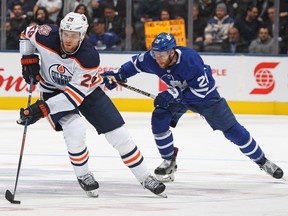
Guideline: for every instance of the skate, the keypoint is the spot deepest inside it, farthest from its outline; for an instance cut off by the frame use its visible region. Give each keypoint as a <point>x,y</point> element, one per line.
<point>89,184</point>
<point>272,169</point>
<point>165,172</point>
<point>155,186</point>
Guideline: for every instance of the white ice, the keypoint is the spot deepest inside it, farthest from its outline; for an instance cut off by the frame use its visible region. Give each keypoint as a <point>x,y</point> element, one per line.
<point>213,177</point>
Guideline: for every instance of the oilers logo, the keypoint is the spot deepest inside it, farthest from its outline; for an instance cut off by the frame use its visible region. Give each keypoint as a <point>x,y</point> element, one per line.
<point>60,74</point>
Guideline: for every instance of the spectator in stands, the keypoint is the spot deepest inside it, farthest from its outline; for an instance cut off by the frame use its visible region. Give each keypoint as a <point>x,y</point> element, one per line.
<point>148,10</point>
<point>249,25</point>
<point>113,22</point>
<point>27,7</point>
<point>236,8</point>
<point>41,17</point>
<point>262,44</point>
<point>119,7</point>
<point>199,25</point>
<point>9,37</point>
<point>18,24</point>
<point>283,29</point>
<point>95,9</point>
<point>217,29</point>
<point>53,7</point>
<point>165,14</point>
<point>102,39</point>
<point>178,8</point>
<point>206,9</point>
<point>234,43</point>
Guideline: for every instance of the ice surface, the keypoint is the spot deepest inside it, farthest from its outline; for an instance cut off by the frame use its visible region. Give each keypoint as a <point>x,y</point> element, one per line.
<point>213,176</point>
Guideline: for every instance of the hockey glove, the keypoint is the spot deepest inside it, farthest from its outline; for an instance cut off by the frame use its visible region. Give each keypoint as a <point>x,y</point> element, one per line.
<point>34,112</point>
<point>172,95</point>
<point>114,76</point>
<point>109,83</point>
<point>30,67</point>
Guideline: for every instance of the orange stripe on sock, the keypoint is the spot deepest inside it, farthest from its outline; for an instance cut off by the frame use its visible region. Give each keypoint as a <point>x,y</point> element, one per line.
<point>79,159</point>
<point>133,159</point>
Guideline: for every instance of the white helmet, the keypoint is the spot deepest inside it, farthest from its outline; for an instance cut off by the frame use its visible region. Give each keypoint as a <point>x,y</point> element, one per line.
<point>74,22</point>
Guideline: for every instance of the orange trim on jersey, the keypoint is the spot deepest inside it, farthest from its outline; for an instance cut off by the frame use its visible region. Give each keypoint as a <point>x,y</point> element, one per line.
<point>99,80</point>
<point>133,159</point>
<point>23,36</point>
<point>79,159</point>
<point>45,47</point>
<point>82,66</point>
<point>73,94</point>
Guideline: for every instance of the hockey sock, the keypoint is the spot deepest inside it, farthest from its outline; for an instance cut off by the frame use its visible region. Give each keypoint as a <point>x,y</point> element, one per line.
<point>248,146</point>
<point>74,136</point>
<point>165,144</point>
<point>121,140</point>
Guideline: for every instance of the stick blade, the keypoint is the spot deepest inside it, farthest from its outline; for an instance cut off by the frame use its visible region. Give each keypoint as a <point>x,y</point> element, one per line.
<point>10,197</point>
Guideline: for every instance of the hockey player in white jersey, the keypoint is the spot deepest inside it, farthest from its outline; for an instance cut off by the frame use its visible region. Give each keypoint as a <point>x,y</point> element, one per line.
<point>191,86</point>
<point>70,85</point>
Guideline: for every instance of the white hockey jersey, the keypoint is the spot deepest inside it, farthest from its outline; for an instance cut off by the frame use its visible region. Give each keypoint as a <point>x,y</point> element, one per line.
<point>76,75</point>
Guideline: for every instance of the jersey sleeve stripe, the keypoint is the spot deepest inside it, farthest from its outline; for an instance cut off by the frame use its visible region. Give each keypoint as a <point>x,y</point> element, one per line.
<point>23,36</point>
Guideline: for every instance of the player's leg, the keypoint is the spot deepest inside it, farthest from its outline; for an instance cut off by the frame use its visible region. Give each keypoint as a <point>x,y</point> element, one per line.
<point>74,135</point>
<point>162,119</point>
<point>220,117</point>
<point>104,116</point>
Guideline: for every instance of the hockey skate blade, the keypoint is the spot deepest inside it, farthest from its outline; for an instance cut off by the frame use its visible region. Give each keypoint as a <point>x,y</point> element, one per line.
<point>92,193</point>
<point>162,195</point>
<point>165,178</point>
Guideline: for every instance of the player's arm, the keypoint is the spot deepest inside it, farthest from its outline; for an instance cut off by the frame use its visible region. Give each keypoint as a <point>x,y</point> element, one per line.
<point>128,69</point>
<point>29,60</point>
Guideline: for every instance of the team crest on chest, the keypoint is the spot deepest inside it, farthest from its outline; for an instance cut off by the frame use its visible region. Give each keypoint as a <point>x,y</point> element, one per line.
<point>60,74</point>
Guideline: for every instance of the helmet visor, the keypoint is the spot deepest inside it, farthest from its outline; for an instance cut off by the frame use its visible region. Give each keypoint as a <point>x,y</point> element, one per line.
<point>164,55</point>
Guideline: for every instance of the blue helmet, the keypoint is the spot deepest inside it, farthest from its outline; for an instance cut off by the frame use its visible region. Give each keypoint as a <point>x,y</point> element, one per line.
<point>163,42</point>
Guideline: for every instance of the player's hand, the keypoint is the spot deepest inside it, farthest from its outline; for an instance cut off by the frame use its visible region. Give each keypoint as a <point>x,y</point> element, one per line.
<point>34,112</point>
<point>30,67</point>
<point>114,76</point>
<point>172,95</point>
<point>109,83</point>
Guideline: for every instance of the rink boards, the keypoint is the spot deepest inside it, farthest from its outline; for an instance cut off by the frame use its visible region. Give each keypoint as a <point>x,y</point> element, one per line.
<point>251,84</point>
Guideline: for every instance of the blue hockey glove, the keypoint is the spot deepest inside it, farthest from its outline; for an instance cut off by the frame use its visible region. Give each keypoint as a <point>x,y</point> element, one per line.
<point>114,75</point>
<point>172,95</point>
<point>34,112</point>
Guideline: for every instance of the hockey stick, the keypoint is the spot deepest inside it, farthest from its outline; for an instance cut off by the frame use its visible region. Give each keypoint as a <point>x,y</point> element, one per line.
<point>8,195</point>
<point>137,90</point>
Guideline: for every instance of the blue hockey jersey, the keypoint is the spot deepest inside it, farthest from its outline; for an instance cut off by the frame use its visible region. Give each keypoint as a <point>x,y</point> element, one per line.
<point>189,73</point>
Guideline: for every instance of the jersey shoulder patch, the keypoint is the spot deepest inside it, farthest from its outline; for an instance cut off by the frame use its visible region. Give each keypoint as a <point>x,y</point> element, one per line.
<point>48,36</point>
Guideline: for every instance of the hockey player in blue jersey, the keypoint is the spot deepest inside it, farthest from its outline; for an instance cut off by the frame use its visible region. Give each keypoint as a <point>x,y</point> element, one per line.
<point>190,87</point>
<point>70,84</point>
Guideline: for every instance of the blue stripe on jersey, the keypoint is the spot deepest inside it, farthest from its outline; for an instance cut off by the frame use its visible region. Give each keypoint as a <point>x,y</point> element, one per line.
<point>76,90</point>
<point>70,100</point>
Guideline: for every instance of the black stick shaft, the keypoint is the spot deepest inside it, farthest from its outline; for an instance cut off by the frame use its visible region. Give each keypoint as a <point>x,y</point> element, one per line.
<point>24,136</point>
<point>137,90</point>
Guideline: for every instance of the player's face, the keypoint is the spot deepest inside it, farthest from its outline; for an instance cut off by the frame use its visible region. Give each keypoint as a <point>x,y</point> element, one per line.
<point>70,40</point>
<point>162,58</point>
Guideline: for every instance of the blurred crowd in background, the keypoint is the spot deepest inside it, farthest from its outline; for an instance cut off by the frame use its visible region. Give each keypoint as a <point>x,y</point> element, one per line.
<point>231,26</point>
